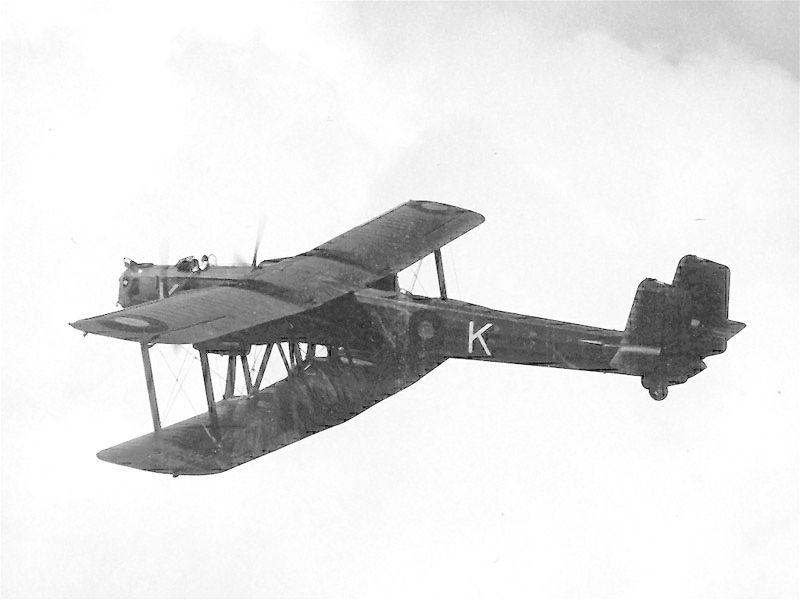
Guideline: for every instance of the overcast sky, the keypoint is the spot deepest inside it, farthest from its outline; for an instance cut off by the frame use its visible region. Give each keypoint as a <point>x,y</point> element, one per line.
<point>601,141</point>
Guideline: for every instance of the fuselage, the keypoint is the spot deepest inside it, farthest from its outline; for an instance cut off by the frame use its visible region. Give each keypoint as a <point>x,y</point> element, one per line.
<point>383,317</point>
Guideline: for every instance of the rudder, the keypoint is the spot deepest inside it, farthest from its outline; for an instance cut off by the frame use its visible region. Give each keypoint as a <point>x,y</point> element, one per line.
<point>708,285</point>
<point>673,327</point>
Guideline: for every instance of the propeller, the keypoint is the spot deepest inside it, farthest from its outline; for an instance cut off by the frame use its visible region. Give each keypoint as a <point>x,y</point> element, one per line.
<point>163,252</point>
<point>240,261</point>
<point>259,235</point>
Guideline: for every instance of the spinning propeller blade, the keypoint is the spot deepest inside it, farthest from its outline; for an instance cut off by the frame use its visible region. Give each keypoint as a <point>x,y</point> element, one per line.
<point>163,252</point>
<point>259,235</point>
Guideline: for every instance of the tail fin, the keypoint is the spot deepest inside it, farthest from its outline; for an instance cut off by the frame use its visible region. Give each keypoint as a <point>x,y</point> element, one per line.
<point>672,327</point>
<point>708,286</point>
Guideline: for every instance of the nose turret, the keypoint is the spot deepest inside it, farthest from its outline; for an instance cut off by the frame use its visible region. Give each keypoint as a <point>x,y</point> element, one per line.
<point>137,284</point>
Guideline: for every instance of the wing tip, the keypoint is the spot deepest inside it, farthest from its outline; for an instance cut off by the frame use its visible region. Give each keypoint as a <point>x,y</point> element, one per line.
<point>442,207</point>
<point>79,325</point>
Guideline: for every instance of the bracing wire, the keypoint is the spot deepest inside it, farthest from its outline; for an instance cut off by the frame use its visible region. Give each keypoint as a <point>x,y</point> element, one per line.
<point>213,371</point>
<point>258,354</point>
<point>175,376</point>
<point>183,391</point>
<point>179,380</point>
<point>416,275</point>
<point>422,285</point>
<point>416,279</point>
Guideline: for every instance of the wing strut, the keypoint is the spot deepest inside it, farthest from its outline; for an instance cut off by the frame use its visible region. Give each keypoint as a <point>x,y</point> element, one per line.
<point>262,369</point>
<point>230,379</point>
<point>248,381</point>
<point>437,254</point>
<point>151,386</point>
<point>212,407</point>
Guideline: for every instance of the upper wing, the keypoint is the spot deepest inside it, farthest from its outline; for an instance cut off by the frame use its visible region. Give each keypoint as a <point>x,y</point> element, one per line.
<point>383,246</point>
<point>190,317</point>
<point>380,247</point>
<point>399,238</point>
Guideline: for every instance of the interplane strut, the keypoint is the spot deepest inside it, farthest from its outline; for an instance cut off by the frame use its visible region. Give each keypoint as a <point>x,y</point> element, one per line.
<point>293,364</point>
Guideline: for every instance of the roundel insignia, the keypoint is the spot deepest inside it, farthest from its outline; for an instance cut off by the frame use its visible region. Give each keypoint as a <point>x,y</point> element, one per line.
<point>132,322</point>
<point>433,206</point>
<point>139,323</point>
<point>425,329</point>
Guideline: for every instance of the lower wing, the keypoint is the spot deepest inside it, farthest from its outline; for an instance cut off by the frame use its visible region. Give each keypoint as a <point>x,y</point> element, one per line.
<point>327,393</point>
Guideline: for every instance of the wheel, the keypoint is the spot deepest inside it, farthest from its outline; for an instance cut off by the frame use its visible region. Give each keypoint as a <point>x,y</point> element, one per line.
<point>656,386</point>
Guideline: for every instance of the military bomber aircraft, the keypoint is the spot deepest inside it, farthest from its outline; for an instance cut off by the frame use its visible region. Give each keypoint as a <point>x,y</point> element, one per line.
<point>366,339</point>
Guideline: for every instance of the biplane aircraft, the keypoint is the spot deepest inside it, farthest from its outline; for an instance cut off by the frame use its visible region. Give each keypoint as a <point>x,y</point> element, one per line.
<point>366,339</point>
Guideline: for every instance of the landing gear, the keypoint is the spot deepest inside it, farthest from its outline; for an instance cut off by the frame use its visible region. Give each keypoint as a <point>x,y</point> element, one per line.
<point>656,386</point>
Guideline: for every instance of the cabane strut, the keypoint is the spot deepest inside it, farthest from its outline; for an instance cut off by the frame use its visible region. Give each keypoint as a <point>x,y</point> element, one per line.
<point>437,255</point>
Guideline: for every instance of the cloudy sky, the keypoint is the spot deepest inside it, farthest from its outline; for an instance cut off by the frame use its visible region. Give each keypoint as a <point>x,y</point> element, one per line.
<point>601,141</point>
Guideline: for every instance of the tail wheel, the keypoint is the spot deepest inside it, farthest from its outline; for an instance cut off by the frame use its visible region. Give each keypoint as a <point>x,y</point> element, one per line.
<point>657,387</point>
